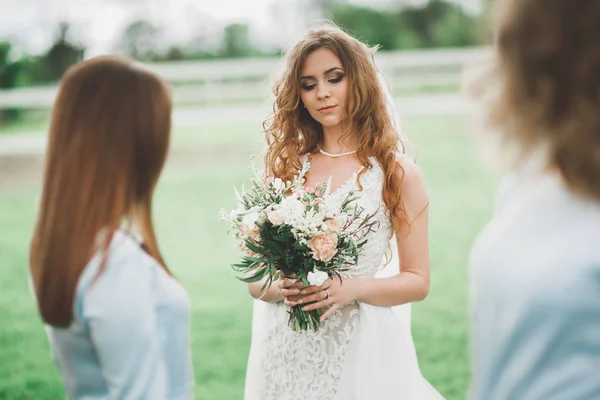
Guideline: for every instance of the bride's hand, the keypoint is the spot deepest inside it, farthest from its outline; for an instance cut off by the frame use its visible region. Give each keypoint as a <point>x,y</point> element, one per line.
<point>334,293</point>
<point>288,286</point>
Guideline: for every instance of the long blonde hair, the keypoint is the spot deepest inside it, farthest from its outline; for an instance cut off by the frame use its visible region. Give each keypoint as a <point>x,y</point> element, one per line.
<point>291,132</point>
<point>108,142</point>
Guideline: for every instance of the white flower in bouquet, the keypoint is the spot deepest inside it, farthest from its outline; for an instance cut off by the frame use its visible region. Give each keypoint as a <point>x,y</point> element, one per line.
<point>317,278</point>
<point>324,246</point>
<point>277,184</point>
<point>316,218</point>
<point>233,214</point>
<point>308,225</point>
<point>249,221</point>
<point>313,221</point>
<point>293,210</point>
<point>276,217</point>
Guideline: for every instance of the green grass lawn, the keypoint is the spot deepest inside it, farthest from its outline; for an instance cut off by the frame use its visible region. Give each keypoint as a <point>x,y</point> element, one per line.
<point>198,251</point>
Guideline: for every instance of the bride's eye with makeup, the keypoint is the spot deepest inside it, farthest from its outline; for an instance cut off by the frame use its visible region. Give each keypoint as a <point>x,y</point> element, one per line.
<point>308,86</point>
<point>336,79</point>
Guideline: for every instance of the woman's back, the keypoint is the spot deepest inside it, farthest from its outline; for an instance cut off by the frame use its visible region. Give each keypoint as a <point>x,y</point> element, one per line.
<point>129,335</point>
<point>536,267</point>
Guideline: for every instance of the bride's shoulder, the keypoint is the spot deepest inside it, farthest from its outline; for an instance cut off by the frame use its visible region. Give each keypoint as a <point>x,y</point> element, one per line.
<point>414,191</point>
<point>408,170</point>
<point>405,168</point>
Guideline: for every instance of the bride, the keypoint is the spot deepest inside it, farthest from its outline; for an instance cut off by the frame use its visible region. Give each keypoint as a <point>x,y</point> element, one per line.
<point>332,109</point>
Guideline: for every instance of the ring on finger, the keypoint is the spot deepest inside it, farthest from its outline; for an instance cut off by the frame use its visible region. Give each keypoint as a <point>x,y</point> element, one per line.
<point>328,294</point>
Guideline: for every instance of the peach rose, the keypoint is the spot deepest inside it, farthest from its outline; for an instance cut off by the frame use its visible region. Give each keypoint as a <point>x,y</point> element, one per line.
<point>243,248</point>
<point>324,246</point>
<point>245,230</point>
<point>253,233</point>
<point>333,225</point>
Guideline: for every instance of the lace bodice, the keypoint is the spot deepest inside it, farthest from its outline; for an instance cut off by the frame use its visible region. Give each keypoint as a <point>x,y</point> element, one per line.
<point>370,197</point>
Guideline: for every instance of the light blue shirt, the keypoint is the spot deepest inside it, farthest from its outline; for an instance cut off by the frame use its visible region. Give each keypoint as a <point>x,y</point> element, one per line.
<point>129,338</point>
<point>536,296</point>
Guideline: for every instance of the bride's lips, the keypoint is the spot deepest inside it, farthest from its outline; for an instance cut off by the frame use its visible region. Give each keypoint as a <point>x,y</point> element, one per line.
<point>326,109</point>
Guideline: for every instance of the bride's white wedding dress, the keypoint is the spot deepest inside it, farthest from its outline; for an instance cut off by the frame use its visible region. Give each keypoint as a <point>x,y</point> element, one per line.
<point>362,352</point>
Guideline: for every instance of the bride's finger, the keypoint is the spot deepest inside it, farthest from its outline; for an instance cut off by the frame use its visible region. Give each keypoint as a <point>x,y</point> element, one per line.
<point>329,312</point>
<point>288,302</point>
<point>288,292</point>
<point>319,304</point>
<point>310,289</point>
<point>295,298</point>
<point>287,284</point>
<point>329,283</point>
<point>319,296</point>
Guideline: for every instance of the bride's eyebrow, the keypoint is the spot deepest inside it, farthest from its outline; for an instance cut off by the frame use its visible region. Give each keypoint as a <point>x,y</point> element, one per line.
<point>325,73</point>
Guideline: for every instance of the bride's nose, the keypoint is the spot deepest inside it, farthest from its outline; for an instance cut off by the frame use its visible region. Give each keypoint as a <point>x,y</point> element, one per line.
<point>323,92</point>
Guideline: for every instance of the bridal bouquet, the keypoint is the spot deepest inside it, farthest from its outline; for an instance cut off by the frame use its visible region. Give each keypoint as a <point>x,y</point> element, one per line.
<point>282,227</point>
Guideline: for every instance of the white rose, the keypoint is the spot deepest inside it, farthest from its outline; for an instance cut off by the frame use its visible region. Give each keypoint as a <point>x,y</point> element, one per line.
<point>317,278</point>
<point>292,208</point>
<point>249,220</point>
<point>276,218</point>
<point>317,218</point>
<point>292,203</point>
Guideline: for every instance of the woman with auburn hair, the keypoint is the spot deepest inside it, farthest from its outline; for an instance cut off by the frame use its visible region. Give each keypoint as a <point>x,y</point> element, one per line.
<point>536,265</point>
<point>117,320</point>
<point>332,109</point>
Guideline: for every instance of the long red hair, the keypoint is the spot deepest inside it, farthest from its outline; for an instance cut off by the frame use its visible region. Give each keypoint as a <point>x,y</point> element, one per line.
<point>291,132</point>
<point>109,137</point>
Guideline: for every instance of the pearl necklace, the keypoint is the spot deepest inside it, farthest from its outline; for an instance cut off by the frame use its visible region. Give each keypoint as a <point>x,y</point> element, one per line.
<point>347,153</point>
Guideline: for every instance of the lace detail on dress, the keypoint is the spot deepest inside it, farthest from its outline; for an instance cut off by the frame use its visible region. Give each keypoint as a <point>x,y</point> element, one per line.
<point>308,365</point>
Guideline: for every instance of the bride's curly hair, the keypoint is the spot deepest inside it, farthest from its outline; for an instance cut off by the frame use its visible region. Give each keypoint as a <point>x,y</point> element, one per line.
<point>291,132</point>
<point>544,86</point>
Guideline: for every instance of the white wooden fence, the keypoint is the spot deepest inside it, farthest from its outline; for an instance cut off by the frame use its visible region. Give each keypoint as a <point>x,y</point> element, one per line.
<point>248,80</point>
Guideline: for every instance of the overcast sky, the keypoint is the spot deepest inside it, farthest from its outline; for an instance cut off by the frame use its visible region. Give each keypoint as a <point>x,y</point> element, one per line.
<point>99,22</point>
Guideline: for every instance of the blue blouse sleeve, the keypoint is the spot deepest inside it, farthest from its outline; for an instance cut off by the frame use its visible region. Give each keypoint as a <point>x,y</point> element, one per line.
<point>120,314</point>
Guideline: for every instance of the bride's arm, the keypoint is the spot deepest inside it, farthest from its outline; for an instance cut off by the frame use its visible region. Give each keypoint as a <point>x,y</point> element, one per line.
<point>412,283</point>
<point>276,292</point>
<point>269,295</point>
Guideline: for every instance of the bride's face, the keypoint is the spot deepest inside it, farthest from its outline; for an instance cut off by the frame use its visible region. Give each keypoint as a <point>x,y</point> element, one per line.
<point>324,87</point>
